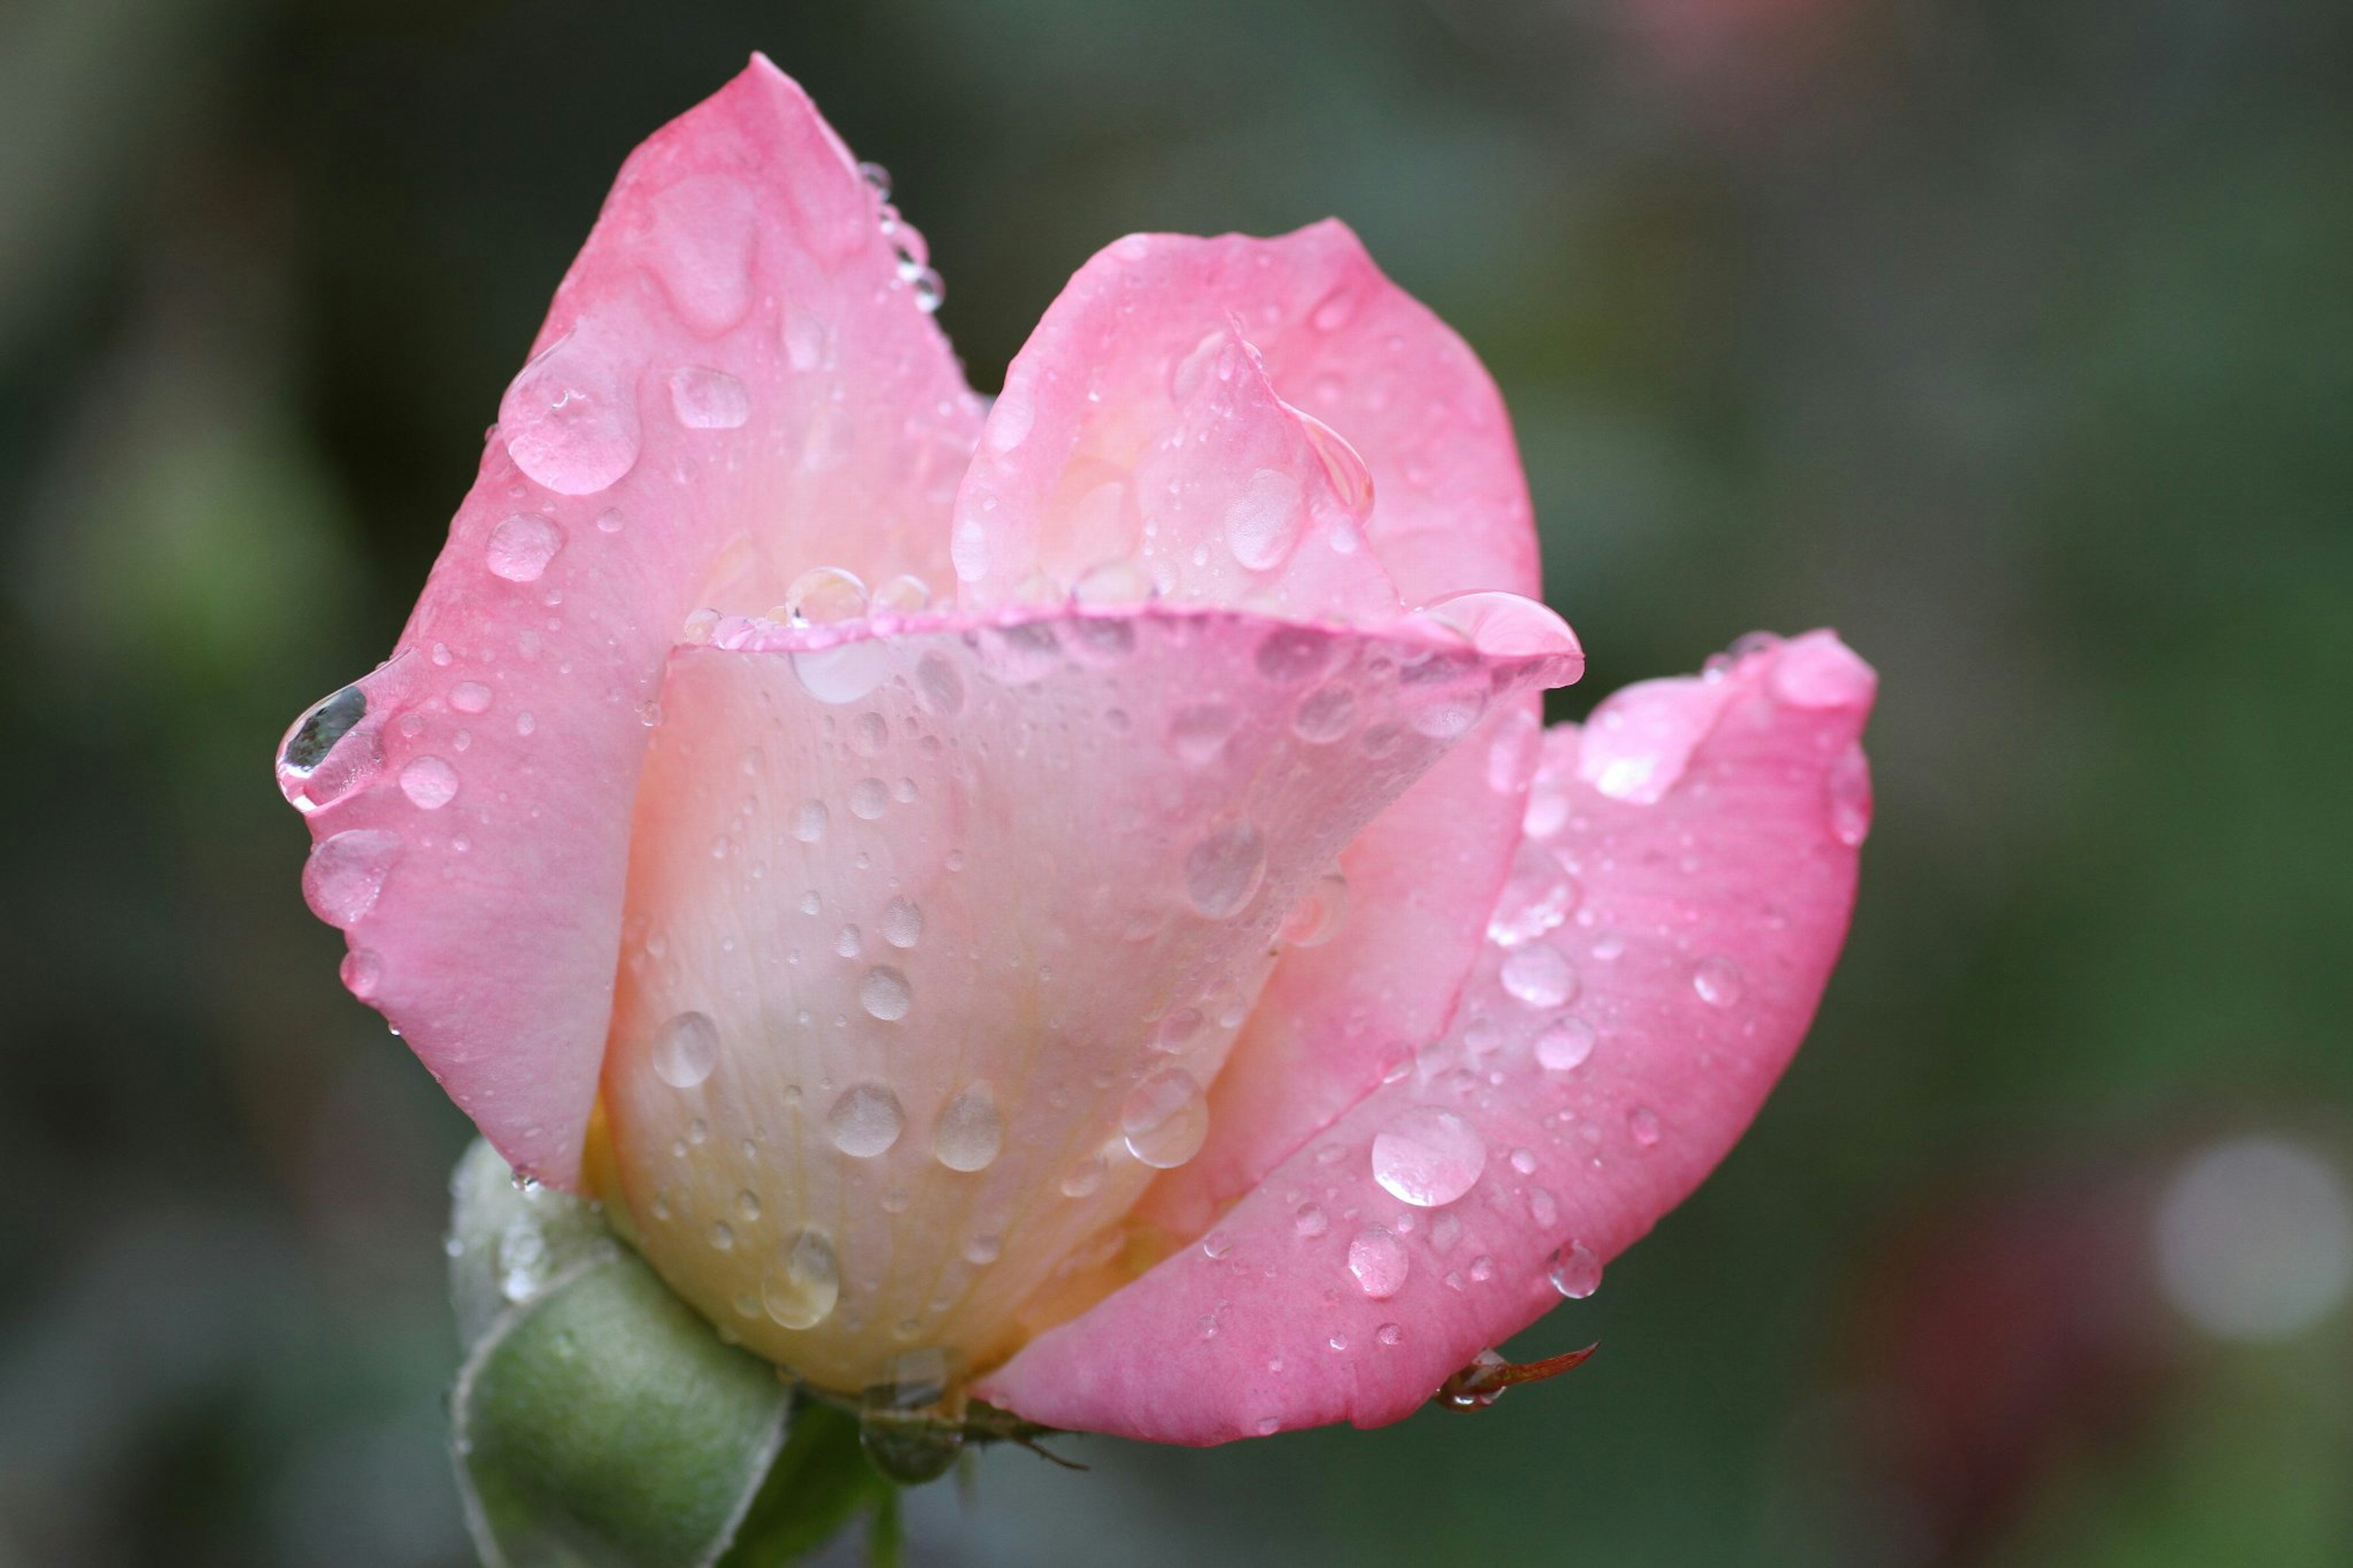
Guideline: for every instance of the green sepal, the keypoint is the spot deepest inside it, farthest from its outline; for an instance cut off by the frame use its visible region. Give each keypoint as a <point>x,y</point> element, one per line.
<point>600,1421</point>
<point>819,1483</point>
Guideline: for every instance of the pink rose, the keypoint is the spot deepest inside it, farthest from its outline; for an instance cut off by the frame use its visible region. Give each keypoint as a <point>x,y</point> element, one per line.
<point>1071,894</point>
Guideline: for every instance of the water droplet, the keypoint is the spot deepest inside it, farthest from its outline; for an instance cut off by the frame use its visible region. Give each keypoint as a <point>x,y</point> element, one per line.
<point>847,941</point>
<point>825,595</point>
<point>1085,1178</point>
<point>847,672</point>
<point>1564,1045</point>
<point>809,822</point>
<point>685,1050</point>
<point>1217,1244</point>
<point>1719,981</point>
<point>707,399</point>
<point>1320,913</point>
<point>800,1289</point>
<point>941,687</point>
<point>429,782</point>
<point>1524,1160</point>
<point>869,799</point>
<point>1262,524</point>
<point>1539,976</point>
<point>1379,1262</point>
<point>1288,656</point>
<point>1574,1270</point>
<point>612,520</point>
<point>870,735</point>
<point>722,1235</point>
<point>470,697</point>
<point>1389,1334</point>
<point>1124,580</point>
<point>885,994</point>
<point>970,1132</point>
<point>901,922</point>
<point>983,1249</point>
<point>345,873</point>
<point>1165,1119</point>
<point>1223,871</point>
<point>905,595</point>
<point>314,734</point>
<point>1537,899</point>
<point>865,1120</point>
<point>520,547</point>
<point>1643,1125</point>
<point>523,1260</point>
<point>1197,731</point>
<point>570,419</point>
<point>1311,1220</point>
<point>1338,309</point>
<point>747,1205</point>
<point>1328,713</point>
<point>1428,1156</point>
<point>362,971</point>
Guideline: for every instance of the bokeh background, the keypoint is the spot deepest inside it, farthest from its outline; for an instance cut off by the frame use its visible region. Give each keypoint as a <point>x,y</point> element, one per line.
<point>2014,338</point>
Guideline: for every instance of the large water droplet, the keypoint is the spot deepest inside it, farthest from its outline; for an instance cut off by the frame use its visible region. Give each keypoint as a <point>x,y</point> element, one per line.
<point>810,820</point>
<point>800,1288</point>
<point>685,1050</point>
<point>1574,1271</point>
<point>1719,981</point>
<point>847,672</point>
<point>1223,871</point>
<point>707,399</point>
<point>1262,524</point>
<point>865,1120</point>
<point>470,697</point>
<point>885,994</point>
<point>823,596</point>
<point>1379,1262</point>
<point>1165,1119</point>
<point>520,547</point>
<point>1288,656</point>
<point>1428,1156</point>
<point>903,922</point>
<point>570,419</point>
<point>1537,899</point>
<point>705,229</point>
<point>429,782</point>
<point>315,733</point>
<point>1539,975</point>
<point>869,799</point>
<point>1564,1045</point>
<point>345,873</point>
<point>970,1132</point>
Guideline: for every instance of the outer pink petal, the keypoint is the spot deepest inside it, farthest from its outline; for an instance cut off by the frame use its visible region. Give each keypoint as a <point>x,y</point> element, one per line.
<point>1709,922</point>
<point>733,385</point>
<point>1033,870</point>
<point>1133,339</point>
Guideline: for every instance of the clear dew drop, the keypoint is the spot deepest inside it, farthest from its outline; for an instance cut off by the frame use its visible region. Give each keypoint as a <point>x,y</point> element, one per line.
<point>722,1235</point>
<point>1085,1179</point>
<point>1289,655</point>
<point>1428,1156</point>
<point>1378,1261</point>
<point>810,820</point>
<point>1539,975</point>
<point>570,418</point>
<point>1325,715</point>
<point>1262,524</point>
<point>429,782</point>
<point>1643,1125</point>
<point>1564,1045</point>
<point>1223,871</point>
<point>847,672</point>
<point>1165,1119</point>
<point>885,994</point>
<point>905,595</point>
<point>685,1050</point>
<point>983,1249</point>
<point>970,1133</point>
<point>801,1287</point>
<point>825,595</point>
<point>1310,1220</point>
<point>346,873</point>
<point>865,1120</point>
<point>1180,1030</point>
<point>1574,1271</point>
<point>1536,898</point>
<point>362,971</point>
<point>1719,981</point>
<point>1320,913</point>
<point>520,547</point>
<point>1389,1334</point>
<point>869,799</point>
<point>1197,731</point>
<point>707,399</point>
<point>470,697</point>
<point>747,1207</point>
<point>903,922</point>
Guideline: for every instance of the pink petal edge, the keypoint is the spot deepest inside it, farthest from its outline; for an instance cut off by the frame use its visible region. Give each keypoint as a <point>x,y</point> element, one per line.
<point>734,383</point>
<point>1710,917</point>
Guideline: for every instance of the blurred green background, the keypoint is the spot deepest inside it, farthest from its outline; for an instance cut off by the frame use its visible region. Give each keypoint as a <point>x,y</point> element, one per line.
<point>2015,340</point>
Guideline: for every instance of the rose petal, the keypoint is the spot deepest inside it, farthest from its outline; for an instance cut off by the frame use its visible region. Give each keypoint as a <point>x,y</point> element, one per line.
<point>1709,922</point>
<point>733,385</point>
<point>930,964</point>
<point>1383,416</point>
